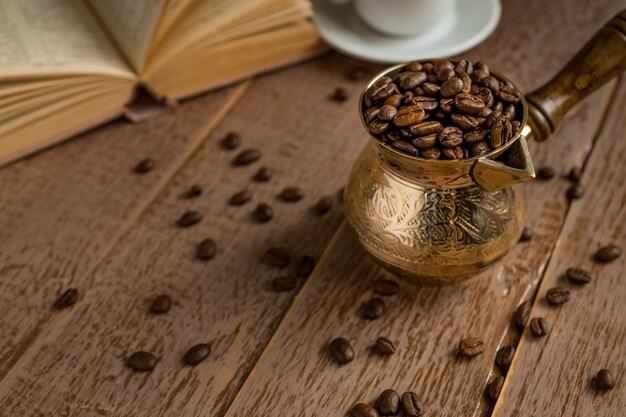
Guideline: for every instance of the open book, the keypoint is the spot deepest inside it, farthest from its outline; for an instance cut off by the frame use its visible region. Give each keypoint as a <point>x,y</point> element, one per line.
<point>66,65</point>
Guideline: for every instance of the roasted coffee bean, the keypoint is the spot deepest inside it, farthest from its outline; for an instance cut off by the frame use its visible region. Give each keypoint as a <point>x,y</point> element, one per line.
<point>507,132</point>
<point>206,250</point>
<point>142,361</point>
<point>145,166</point>
<point>442,64</point>
<point>425,141</point>
<point>340,95</point>
<point>516,126</point>
<point>451,87</point>
<point>461,66</point>
<point>469,104</point>
<point>480,148</point>
<point>424,102</point>
<point>509,98</point>
<point>474,89</point>
<point>197,354</point>
<point>385,286</point>
<point>496,136</point>
<point>575,174</point>
<point>276,257</point>
<point>412,80</point>
<point>291,194</point>
<point>305,266</point>
<point>466,122</point>
<point>161,304</point>
<point>378,126</point>
<point>494,388</point>
<point>578,275</point>
<point>412,405</point>
<point>263,174</point>
<point>476,135</point>
<point>414,66</point>
<point>374,308</point>
<point>193,191</point>
<point>604,380</point>
<point>575,191</point>
<point>189,218</point>
<point>467,82</point>
<point>67,299</point>
<point>323,205</point>
<point>477,75</point>
<point>430,88</point>
<point>447,105</point>
<point>285,283</point>
<point>504,357</point>
<point>356,73</point>
<point>485,95</point>
<point>240,198</point>
<point>431,153</point>
<point>392,135</point>
<point>527,234</point>
<point>608,253</point>
<point>558,295</point>
<point>510,112</point>
<point>450,137</point>
<point>385,346</point>
<point>482,66</point>
<point>231,141</point>
<point>371,113</point>
<point>485,112</point>
<point>493,116</point>
<point>453,153</point>
<point>408,95</point>
<point>394,101</point>
<point>491,83</point>
<point>363,410</point>
<point>424,128</point>
<point>405,147</point>
<point>263,213</point>
<point>341,350</point>
<point>471,346</point>
<point>388,403</point>
<point>380,92</point>
<point>247,156</point>
<point>387,112</point>
<point>546,173</point>
<point>445,74</point>
<point>539,326</point>
<point>428,67</point>
<point>522,314</point>
<point>409,115</point>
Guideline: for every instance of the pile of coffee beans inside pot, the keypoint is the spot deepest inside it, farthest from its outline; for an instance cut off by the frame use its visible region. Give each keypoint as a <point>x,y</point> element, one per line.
<point>442,110</point>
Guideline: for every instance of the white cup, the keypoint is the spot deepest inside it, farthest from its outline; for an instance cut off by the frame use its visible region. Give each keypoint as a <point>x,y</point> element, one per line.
<point>403,17</point>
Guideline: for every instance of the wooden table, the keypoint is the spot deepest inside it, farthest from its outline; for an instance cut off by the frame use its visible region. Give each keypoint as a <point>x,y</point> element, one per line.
<point>76,216</point>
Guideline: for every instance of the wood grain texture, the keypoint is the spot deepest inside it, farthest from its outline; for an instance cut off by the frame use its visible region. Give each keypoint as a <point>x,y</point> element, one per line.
<point>552,375</point>
<point>307,141</point>
<point>63,210</point>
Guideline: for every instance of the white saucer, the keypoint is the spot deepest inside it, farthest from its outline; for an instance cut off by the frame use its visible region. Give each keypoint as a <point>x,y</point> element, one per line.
<point>345,31</point>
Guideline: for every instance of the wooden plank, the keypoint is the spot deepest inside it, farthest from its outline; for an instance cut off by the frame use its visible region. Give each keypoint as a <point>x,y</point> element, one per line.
<point>308,140</point>
<point>63,209</point>
<point>552,375</point>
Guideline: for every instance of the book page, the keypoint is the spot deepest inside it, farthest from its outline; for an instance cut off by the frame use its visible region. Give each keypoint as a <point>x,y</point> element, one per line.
<point>40,38</point>
<point>131,24</point>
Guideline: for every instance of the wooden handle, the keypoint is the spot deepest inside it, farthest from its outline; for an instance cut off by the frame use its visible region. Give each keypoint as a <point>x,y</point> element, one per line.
<point>601,59</point>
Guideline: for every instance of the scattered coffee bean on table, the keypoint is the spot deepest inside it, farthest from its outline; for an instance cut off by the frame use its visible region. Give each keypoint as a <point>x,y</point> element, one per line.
<point>142,361</point>
<point>206,250</point>
<point>276,257</point>
<point>305,266</point>
<point>341,350</point>
<point>527,234</point>
<point>363,410</point>
<point>240,198</point>
<point>504,357</point>
<point>539,326</point>
<point>247,156</point>
<point>604,380</point>
<point>285,283</point>
<point>608,253</point>
<point>263,174</point>
<point>388,403</point>
<point>558,295</point>
<point>356,73</point>
<point>291,194</point>
<point>231,141</point>
<point>385,346</point>
<point>575,192</point>
<point>144,166</point>
<point>189,219</point>
<point>67,299</point>
<point>263,213</point>
<point>193,191</point>
<point>494,388</point>
<point>385,286</point>
<point>374,308</point>
<point>412,405</point>
<point>471,346</point>
<point>323,205</point>
<point>197,354</point>
<point>340,94</point>
<point>522,314</point>
<point>161,304</point>
<point>546,173</point>
<point>578,275</point>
